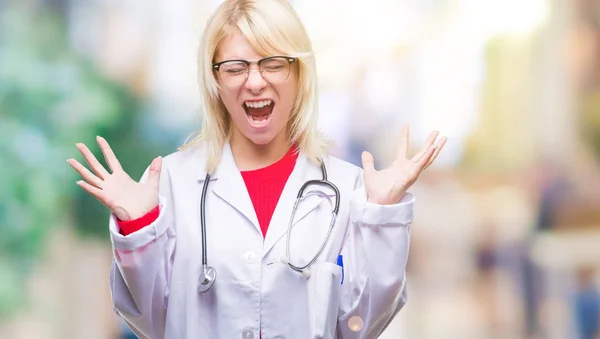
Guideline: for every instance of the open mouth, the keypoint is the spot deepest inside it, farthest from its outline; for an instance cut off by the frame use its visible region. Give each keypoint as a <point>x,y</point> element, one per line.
<point>259,112</point>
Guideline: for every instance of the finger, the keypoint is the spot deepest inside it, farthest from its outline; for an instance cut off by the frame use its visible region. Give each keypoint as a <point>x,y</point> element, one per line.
<point>368,162</point>
<point>154,172</point>
<point>94,191</point>
<point>109,155</point>
<point>425,158</point>
<point>438,149</point>
<point>404,142</point>
<point>428,142</point>
<point>85,173</point>
<point>92,161</point>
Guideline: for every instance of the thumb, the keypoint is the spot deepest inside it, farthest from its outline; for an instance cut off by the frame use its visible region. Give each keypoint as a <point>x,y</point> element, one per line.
<point>154,173</point>
<point>368,162</point>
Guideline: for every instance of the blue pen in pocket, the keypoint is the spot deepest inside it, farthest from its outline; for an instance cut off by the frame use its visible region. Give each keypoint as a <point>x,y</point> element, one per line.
<point>340,262</point>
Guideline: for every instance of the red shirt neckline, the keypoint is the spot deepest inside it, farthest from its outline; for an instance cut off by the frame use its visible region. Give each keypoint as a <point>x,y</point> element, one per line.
<point>285,164</point>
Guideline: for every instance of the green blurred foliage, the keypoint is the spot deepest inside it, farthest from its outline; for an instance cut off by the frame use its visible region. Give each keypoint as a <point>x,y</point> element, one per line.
<point>50,98</point>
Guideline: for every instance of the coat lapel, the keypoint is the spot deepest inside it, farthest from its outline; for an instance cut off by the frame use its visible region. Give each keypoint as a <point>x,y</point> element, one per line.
<point>230,187</point>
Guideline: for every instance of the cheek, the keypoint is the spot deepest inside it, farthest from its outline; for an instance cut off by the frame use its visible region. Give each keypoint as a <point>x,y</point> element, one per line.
<point>229,100</point>
<point>288,95</point>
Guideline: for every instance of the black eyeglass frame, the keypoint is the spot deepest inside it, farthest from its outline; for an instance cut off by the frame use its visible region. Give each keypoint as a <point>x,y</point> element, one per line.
<point>290,60</point>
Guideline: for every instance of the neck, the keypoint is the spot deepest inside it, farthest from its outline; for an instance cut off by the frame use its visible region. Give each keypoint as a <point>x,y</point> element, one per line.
<point>250,156</point>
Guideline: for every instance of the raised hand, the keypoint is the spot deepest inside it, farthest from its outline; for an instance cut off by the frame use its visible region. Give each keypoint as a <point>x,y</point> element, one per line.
<point>125,197</point>
<point>388,186</point>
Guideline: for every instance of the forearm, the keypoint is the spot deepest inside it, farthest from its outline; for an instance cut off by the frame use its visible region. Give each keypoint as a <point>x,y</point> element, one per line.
<point>375,256</point>
<point>140,273</point>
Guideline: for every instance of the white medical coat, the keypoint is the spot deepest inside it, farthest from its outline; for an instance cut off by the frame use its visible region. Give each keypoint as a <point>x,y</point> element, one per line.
<point>154,276</point>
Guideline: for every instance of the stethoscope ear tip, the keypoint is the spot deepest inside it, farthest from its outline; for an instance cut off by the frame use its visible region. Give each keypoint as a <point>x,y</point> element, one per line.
<point>285,260</point>
<point>306,273</point>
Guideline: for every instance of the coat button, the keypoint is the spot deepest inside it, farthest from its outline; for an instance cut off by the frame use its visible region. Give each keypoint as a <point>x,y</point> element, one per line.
<point>247,333</point>
<point>355,323</point>
<point>250,257</point>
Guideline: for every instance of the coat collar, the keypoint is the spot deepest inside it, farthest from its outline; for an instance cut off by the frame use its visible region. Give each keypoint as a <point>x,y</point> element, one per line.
<point>228,184</point>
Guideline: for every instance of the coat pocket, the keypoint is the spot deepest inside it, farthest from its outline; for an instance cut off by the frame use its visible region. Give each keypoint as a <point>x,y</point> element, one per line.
<point>325,283</point>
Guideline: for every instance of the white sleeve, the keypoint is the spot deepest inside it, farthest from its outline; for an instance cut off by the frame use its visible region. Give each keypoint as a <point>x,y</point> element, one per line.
<point>141,269</point>
<point>375,255</point>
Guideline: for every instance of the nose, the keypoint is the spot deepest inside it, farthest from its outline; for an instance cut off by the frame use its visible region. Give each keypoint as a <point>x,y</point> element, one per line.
<point>255,82</point>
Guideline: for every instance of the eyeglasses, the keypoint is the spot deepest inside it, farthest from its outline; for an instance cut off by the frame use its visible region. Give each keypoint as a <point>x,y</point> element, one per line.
<point>234,73</point>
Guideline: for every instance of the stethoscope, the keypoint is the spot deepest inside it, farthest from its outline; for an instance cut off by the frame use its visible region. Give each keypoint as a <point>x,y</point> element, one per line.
<point>207,277</point>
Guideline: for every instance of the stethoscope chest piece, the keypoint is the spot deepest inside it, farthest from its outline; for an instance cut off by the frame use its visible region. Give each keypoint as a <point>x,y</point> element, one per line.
<point>206,279</point>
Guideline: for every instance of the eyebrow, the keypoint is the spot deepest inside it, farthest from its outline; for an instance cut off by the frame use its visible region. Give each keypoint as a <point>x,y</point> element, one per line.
<point>235,57</point>
<point>240,58</point>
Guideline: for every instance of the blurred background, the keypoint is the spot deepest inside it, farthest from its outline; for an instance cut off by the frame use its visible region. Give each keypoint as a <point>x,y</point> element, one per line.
<point>506,241</point>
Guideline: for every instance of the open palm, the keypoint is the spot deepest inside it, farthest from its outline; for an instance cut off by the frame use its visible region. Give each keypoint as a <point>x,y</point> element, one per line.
<point>124,196</point>
<point>389,185</point>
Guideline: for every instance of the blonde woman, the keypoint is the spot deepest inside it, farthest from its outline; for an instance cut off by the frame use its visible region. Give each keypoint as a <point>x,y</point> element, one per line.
<point>202,244</point>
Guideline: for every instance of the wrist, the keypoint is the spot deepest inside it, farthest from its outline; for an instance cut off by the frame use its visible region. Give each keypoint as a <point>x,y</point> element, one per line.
<point>143,212</point>
<point>125,216</point>
<point>133,225</point>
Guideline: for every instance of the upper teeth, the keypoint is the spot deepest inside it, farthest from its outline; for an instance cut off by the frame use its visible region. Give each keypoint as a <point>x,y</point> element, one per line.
<point>258,104</point>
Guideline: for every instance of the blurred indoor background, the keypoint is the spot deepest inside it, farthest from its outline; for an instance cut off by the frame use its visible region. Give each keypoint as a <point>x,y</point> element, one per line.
<point>506,241</point>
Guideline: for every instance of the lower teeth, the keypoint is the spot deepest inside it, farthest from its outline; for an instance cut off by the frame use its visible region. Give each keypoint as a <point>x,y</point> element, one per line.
<point>260,118</point>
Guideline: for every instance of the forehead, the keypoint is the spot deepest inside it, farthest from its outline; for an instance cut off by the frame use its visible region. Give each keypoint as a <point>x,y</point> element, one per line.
<point>236,46</point>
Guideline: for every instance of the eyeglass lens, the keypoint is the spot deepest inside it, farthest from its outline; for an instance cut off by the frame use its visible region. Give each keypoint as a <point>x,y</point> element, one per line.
<point>234,73</point>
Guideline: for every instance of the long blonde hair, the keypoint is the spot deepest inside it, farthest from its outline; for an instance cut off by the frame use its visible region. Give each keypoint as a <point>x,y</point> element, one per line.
<point>271,27</point>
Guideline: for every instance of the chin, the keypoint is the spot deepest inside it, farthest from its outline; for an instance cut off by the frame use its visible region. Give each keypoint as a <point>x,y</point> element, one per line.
<point>261,140</point>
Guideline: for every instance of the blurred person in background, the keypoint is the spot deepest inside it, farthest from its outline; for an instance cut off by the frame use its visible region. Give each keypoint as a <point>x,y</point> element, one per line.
<point>258,147</point>
<point>487,258</point>
<point>552,189</point>
<point>586,305</point>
